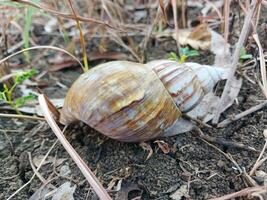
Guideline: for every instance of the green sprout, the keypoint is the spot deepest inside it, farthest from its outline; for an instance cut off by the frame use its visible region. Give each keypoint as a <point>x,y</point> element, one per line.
<point>184,54</point>
<point>7,95</point>
<point>244,55</point>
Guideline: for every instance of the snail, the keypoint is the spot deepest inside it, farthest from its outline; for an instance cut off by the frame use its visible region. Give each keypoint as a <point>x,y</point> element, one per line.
<point>135,102</point>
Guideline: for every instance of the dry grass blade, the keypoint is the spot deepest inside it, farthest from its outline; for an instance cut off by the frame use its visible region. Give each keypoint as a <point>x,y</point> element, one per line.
<point>242,193</point>
<point>120,42</point>
<point>145,41</point>
<point>226,19</point>
<point>256,165</point>
<point>262,65</point>
<point>40,47</point>
<point>89,175</point>
<point>65,15</point>
<point>174,10</point>
<point>239,45</point>
<point>85,62</point>
<point>215,8</point>
<point>38,168</point>
<point>241,115</point>
<point>21,116</point>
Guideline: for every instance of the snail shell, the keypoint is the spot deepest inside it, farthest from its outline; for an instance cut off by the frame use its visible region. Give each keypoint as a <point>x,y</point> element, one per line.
<point>134,102</point>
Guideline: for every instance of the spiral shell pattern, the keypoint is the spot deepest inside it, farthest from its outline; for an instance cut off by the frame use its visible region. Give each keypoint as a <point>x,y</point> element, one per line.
<point>134,102</point>
<point>187,83</point>
<point>123,100</point>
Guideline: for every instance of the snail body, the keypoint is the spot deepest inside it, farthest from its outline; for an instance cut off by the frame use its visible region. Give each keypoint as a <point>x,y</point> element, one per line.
<point>135,102</point>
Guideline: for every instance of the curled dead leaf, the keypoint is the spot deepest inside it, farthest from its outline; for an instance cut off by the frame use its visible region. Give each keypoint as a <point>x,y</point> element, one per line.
<point>197,38</point>
<point>163,146</point>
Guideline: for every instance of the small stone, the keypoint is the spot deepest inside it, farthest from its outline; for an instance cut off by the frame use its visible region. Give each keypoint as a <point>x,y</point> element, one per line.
<point>220,163</point>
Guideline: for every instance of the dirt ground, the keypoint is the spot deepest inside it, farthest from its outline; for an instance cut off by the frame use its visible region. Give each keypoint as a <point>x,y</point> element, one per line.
<point>191,162</point>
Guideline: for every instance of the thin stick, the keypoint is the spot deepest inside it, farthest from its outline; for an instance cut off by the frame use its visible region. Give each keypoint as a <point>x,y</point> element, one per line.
<point>86,171</point>
<point>241,193</point>
<point>226,19</point>
<point>148,34</point>
<point>239,45</point>
<point>197,121</point>
<point>224,142</point>
<point>42,179</point>
<point>65,15</point>
<point>261,154</point>
<point>38,168</point>
<point>262,65</point>
<point>257,165</point>
<point>225,154</point>
<point>40,47</point>
<point>241,115</point>
<point>174,10</point>
<point>22,116</point>
<point>82,41</point>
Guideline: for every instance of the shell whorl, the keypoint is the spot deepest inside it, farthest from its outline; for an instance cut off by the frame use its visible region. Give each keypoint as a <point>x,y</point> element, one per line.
<point>187,83</point>
<point>123,100</point>
<point>134,102</point>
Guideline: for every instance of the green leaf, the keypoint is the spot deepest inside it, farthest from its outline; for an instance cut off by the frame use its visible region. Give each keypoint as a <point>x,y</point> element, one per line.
<point>20,77</point>
<point>2,96</point>
<point>243,51</point>
<point>22,100</point>
<point>183,51</point>
<point>244,55</point>
<point>172,56</point>
<point>192,53</point>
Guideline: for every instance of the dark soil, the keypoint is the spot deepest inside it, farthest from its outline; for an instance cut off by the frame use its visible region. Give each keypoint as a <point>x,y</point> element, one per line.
<point>190,162</point>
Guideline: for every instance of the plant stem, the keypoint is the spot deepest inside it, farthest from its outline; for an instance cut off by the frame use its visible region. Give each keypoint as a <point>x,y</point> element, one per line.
<point>240,43</point>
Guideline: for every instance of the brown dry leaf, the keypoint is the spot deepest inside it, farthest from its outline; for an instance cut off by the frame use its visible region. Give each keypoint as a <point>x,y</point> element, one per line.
<point>148,148</point>
<point>198,38</point>
<point>163,146</point>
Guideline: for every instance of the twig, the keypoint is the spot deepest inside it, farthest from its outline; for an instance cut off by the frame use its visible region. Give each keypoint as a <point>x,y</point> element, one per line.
<point>148,34</point>
<point>246,177</point>
<point>256,165</point>
<point>82,41</point>
<point>9,141</point>
<point>174,10</point>
<point>225,154</point>
<point>40,47</point>
<point>197,121</point>
<point>262,65</point>
<point>226,19</point>
<point>22,116</point>
<point>38,168</point>
<point>89,175</point>
<point>44,181</point>
<point>241,193</point>
<point>240,43</point>
<point>65,15</point>
<point>241,115</point>
<point>224,142</point>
